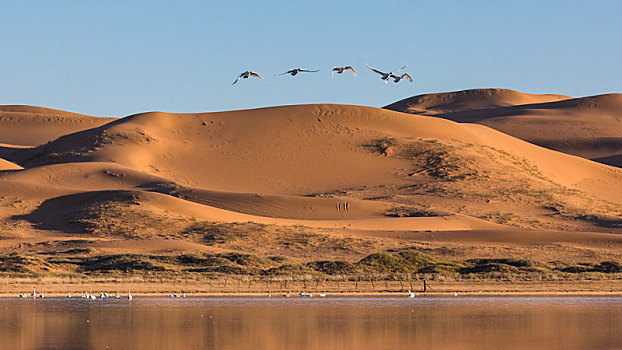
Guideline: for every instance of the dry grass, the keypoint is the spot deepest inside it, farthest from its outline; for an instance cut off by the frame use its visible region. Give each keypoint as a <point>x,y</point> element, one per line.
<point>401,264</point>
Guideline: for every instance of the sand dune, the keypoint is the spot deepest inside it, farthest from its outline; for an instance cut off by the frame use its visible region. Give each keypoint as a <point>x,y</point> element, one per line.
<point>469,100</point>
<point>297,150</point>
<point>32,126</point>
<point>589,127</point>
<point>61,212</point>
<point>307,181</point>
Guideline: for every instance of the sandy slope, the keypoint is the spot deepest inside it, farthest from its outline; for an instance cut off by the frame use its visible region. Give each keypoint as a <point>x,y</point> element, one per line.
<point>469,100</point>
<point>590,127</point>
<point>32,126</point>
<point>297,150</point>
<point>320,181</point>
<point>6,165</point>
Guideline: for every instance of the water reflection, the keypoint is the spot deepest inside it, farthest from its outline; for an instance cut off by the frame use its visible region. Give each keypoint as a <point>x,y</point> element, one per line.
<point>457,323</point>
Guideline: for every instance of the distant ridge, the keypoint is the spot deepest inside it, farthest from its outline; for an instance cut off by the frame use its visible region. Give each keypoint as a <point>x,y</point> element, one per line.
<point>590,127</point>
<point>468,100</point>
<point>31,126</point>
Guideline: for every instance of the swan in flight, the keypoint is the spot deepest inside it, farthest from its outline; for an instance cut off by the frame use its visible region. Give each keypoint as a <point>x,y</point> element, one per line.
<point>293,72</point>
<point>246,75</point>
<point>340,70</point>
<point>386,76</point>
<point>397,78</point>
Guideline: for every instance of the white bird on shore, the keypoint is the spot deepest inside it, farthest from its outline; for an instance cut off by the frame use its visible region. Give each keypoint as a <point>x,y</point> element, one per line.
<point>117,296</point>
<point>68,295</point>
<point>411,294</point>
<point>455,294</point>
<point>25,295</point>
<point>129,295</point>
<point>285,295</point>
<point>340,70</point>
<point>41,295</point>
<point>34,293</point>
<point>293,72</point>
<point>246,75</point>
<point>386,76</point>
<point>322,295</point>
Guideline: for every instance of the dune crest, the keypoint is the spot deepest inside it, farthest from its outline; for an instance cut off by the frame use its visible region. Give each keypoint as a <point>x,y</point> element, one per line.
<point>42,124</point>
<point>590,127</point>
<point>467,100</point>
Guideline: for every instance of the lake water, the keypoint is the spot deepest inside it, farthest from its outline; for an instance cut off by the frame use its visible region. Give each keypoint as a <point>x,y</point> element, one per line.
<point>318,323</point>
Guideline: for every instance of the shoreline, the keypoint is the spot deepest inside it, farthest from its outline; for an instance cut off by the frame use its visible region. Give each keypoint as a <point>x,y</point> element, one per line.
<point>435,289</point>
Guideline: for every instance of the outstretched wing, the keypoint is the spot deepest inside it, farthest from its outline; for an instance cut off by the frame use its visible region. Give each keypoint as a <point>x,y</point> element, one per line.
<point>351,70</point>
<point>253,74</point>
<point>397,70</point>
<point>238,78</point>
<point>288,72</point>
<point>310,71</point>
<point>375,70</point>
<point>332,72</point>
<point>405,75</point>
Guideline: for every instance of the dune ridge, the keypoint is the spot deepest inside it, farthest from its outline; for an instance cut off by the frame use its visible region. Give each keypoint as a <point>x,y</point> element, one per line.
<point>468,100</point>
<point>42,124</point>
<point>590,127</point>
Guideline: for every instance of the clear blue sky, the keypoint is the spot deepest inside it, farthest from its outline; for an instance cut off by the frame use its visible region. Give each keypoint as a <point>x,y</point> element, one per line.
<point>115,58</point>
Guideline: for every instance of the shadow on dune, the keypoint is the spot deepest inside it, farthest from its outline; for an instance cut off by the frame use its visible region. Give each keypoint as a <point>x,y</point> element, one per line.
<point>8,153</point>
<point>64,213</point>
<point>613,160</point>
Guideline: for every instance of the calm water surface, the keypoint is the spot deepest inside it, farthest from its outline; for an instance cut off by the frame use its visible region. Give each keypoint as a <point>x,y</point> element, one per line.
<point>326,323</point>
